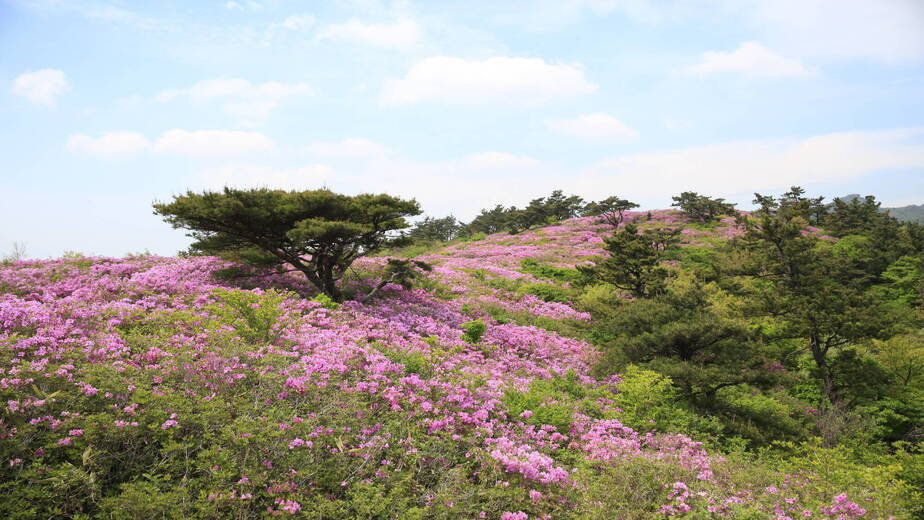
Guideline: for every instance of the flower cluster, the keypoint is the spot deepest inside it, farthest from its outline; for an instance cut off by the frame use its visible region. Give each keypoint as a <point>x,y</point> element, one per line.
<point>277,404</point>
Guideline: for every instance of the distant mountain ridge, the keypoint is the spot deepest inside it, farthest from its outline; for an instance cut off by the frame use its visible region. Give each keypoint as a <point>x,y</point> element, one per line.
<point>910,213</point>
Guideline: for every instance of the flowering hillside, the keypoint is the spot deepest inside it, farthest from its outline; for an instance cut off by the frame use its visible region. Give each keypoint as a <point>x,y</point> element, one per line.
<point>148,387</point>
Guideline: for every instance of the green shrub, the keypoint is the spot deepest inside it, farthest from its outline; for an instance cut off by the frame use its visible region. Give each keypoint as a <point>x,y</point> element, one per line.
<point>474,330</point>
<point>474,237</point>
<point>650,401</point>
<point>253,314</point>
<point>326,301</point>
<point>549,293</point>
<point>558,274</point>
<point>554,401</point>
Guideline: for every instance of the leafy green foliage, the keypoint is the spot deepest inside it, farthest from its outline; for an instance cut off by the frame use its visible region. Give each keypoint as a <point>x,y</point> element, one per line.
<point>853,217</point>
<point>473,331</point>
<point>634,261</point>
<point>719,348</point>
<point>549,293</point>
<point>488,222</point>
<point>319,233</point>
<point>649,400</point>
<point>549,272</point>
<point>253,315</point>
<point>818,291</point>
<point>326,301</point>
<point>685,336</point>
<point>700,207</point>
<point>543,210</point>
<point>401,272</point>
<point>435,229</point>
<point>610,210</point>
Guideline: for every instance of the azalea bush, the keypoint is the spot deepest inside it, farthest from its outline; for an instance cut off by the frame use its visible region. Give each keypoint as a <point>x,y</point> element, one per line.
<point>147,387</point>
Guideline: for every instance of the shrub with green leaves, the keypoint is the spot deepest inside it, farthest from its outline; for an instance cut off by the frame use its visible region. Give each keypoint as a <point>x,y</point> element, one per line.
<point>473,331</point>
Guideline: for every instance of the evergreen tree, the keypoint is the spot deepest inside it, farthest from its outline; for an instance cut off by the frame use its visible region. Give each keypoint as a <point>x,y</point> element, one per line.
<point>700,207</point>
<point>815,290</point>
<point>317,232</point>
<point>610,210</point>
<point>436,229</point>
<point>854,217</point>
<point>634,261</point>
<point>489,221</point>
<point>558,206</point>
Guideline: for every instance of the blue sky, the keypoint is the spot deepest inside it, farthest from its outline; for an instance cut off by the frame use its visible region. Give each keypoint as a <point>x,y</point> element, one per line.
<point>106,106</point>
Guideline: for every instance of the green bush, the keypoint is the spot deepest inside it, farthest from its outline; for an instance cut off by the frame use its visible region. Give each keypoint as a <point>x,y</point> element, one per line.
<point>474,330</point>
<point>649,401</point>
<point>557,274</point>
<point>326,301</point>
<point>554,401</point>
<point>549,293</point>
<point>252,313</point>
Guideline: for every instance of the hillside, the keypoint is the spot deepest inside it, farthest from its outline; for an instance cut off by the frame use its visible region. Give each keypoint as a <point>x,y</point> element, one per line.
<point>147,387</point>
<point>909,213</point>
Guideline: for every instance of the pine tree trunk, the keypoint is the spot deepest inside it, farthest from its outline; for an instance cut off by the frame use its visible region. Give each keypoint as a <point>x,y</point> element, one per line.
<point>819,353</point>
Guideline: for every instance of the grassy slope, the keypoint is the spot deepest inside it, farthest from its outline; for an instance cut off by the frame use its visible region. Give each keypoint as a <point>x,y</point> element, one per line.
<point>140,388</point>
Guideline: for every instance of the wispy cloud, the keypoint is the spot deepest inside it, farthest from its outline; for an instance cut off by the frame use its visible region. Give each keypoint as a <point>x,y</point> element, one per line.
<point>458,81</point>
<point>307,177</point>
<point>110,145</point>
<point>594,127</point>
<point>885,30</point>
<point>761,164</point>
<point>499,160</point>
<point>750,59</point>
<point>42,87</point>
<point>349,148</point>
<point>248,102</point>
<point>402,34</point>
<point>294,22</point>
<point>190,143</point>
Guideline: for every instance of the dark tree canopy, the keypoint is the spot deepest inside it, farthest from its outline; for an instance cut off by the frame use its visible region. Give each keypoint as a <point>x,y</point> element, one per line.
<point>436,229</point>
<point>610,210</point>
<point>700,207</point>
<point>634,263</point>
<point>817,290</point>
<point>540,211</point>
<point>681,334</point>
<point>559,206</point>
<point>489,221</point>
<point>856,216</point>
<point>317,232</point>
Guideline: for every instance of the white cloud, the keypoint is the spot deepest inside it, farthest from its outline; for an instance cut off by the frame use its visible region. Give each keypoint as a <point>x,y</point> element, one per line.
<point>733,170</point>
<point>544,15</point>
<point>883,30</point>
<point>252,5</point>
<point>122,145</point>
<point>594,127</point>
<point>458,81</point>
<point>460,186</point>
<point>751,59</point>
<point>41,87</point>
<point>211,142</point>
<point>294,22</point>
<point>307,177</point>
<point>349,148</point>
<point>251,103</point>
<point>401,34</point>
<point>766,164</point>
<point>110,145</point>
<point>492,160</point>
